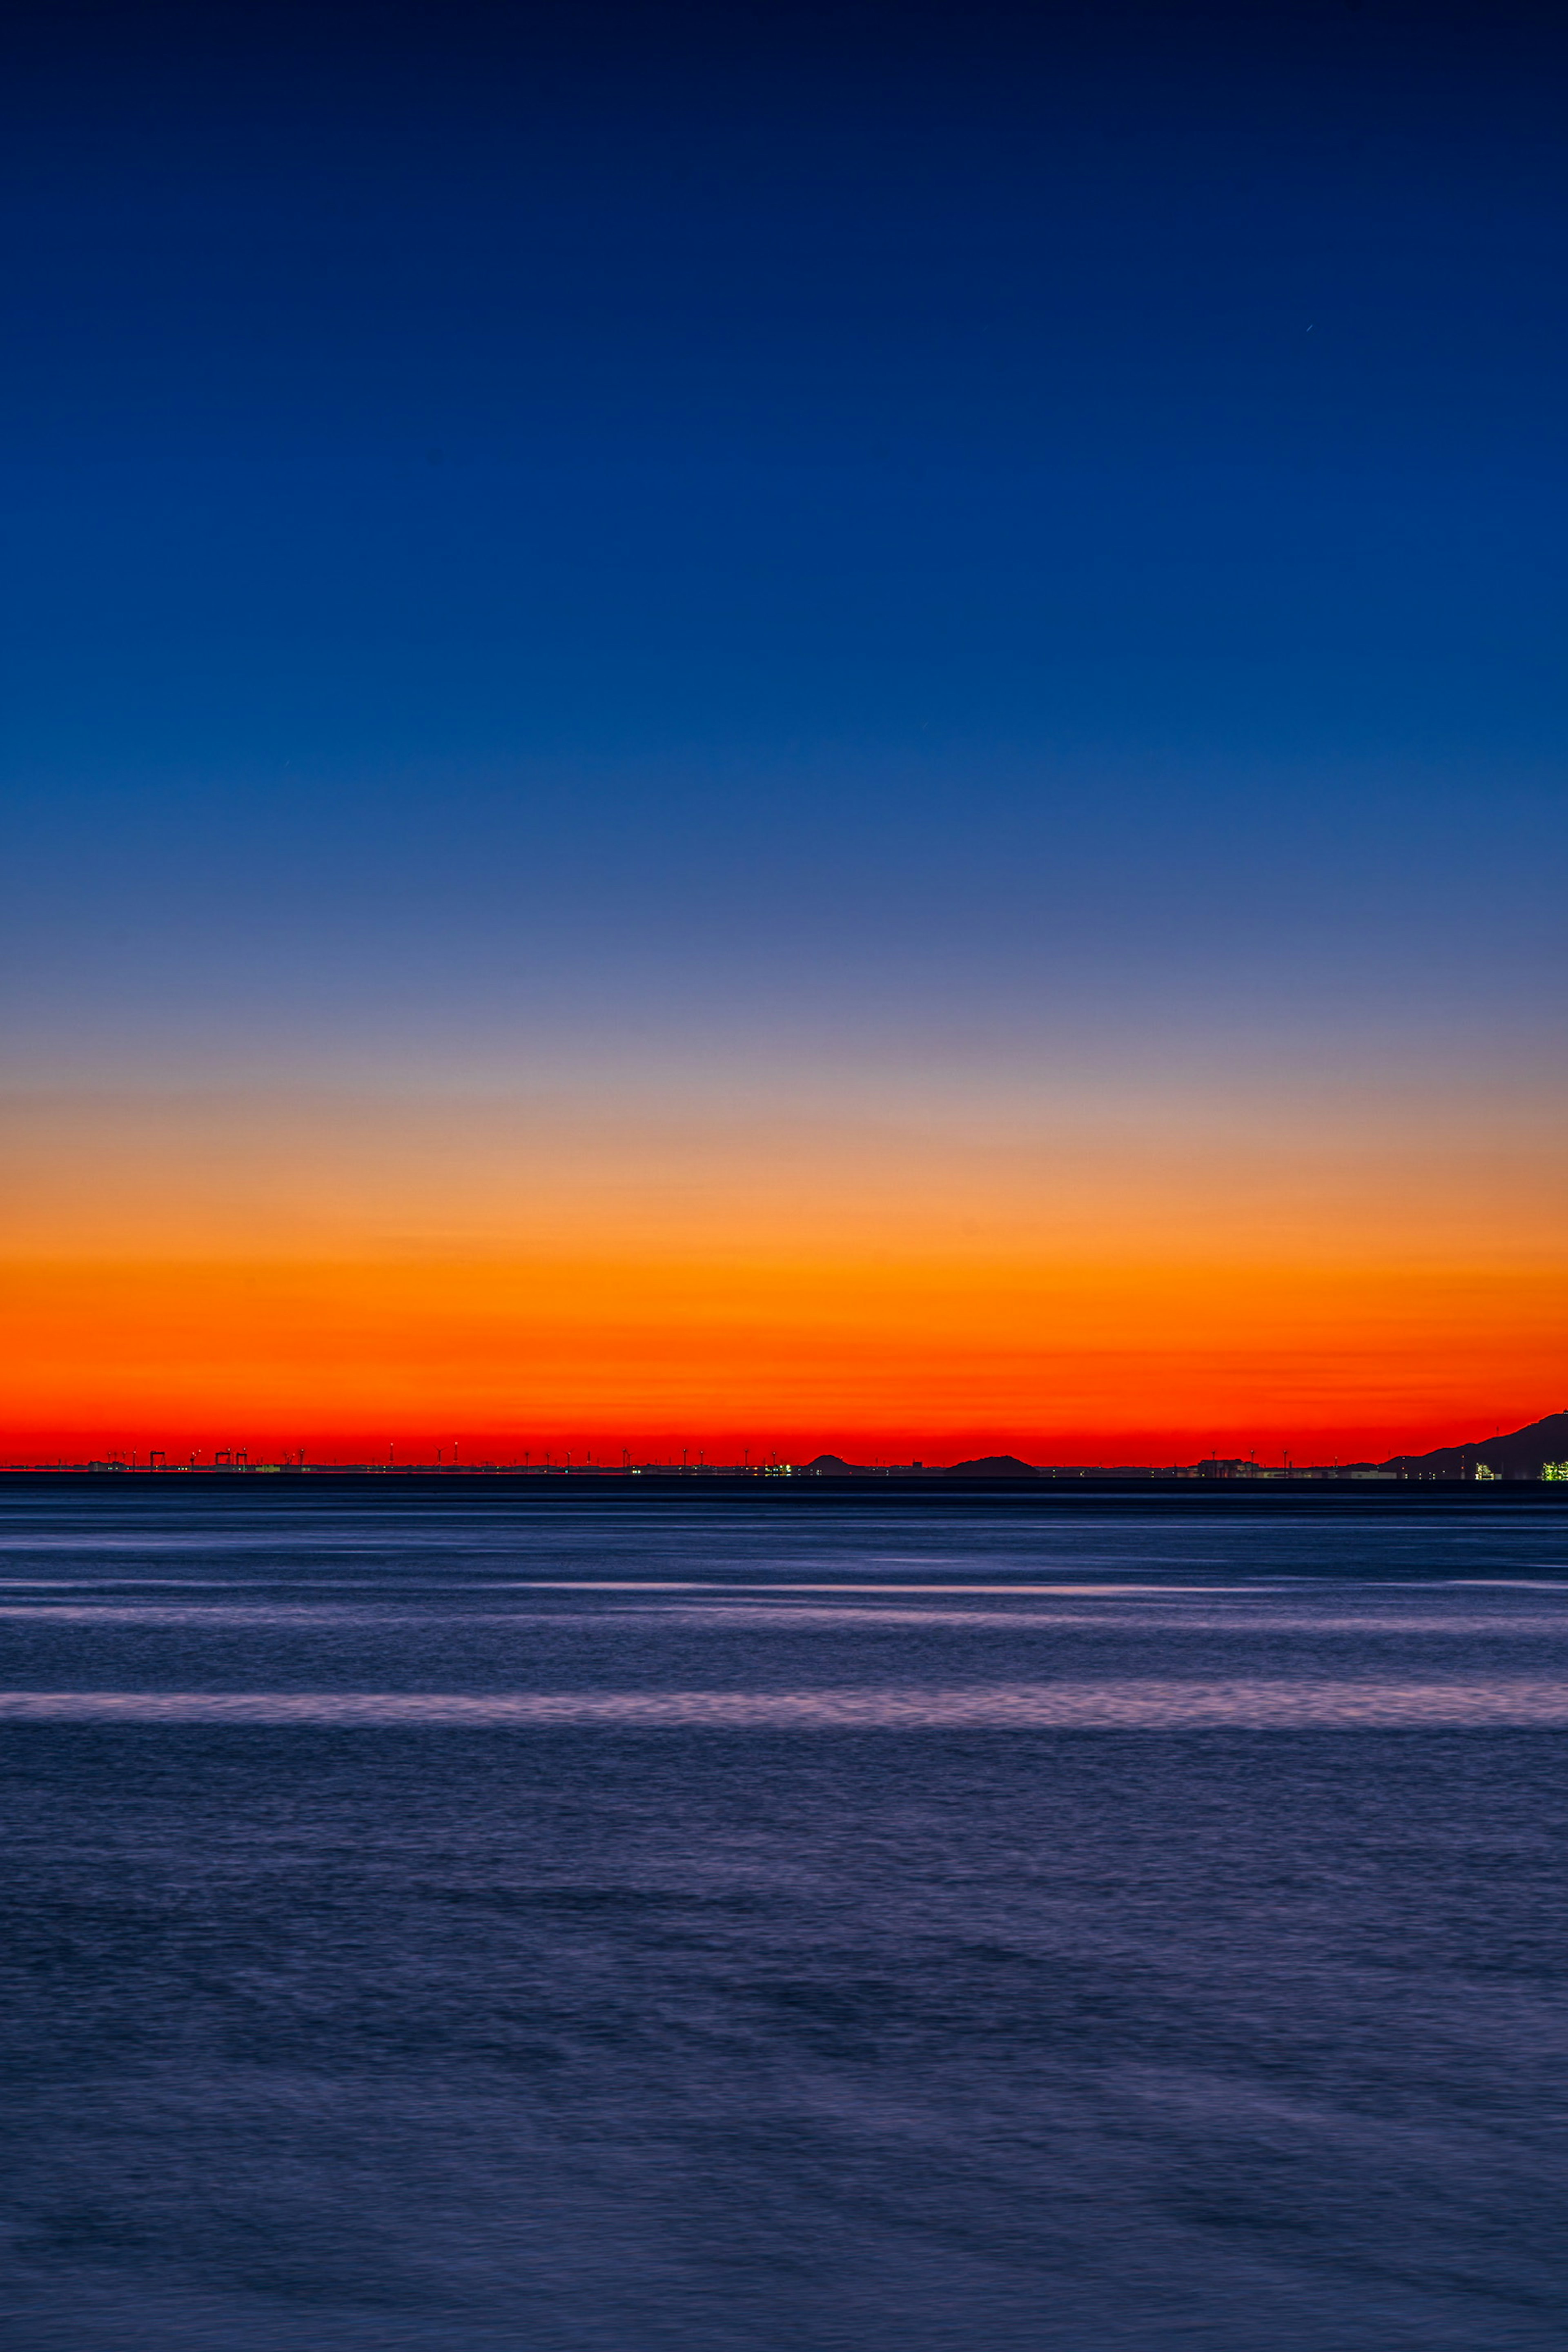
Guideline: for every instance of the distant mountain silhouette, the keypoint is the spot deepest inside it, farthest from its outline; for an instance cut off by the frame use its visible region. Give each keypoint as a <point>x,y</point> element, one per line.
<point>831,1466</point>
<point>1518,1453</point>
<point>993,1465</point>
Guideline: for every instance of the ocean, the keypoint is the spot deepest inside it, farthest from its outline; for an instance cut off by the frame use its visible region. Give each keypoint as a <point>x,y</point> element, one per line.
<point>559,1920</point>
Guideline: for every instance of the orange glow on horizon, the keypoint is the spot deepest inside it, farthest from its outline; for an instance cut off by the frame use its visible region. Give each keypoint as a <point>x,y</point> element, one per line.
<point>934,1361</point>
<point>347,1278</point>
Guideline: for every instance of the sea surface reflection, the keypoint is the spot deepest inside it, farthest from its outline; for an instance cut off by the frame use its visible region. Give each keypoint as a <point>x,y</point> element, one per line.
<point>471,1922</point>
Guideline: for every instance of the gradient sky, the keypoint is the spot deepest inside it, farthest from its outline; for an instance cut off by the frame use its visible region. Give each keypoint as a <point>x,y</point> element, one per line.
<point>787,728</point>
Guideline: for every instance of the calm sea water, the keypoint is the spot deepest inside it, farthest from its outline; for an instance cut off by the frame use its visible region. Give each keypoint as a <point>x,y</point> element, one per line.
<point>623,1925</point>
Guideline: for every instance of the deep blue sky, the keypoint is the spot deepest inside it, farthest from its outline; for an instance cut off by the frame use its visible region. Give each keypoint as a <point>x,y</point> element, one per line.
<point>608,517</point>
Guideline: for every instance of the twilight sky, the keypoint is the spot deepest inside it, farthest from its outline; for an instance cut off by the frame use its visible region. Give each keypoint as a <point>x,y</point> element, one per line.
<point>796,727</point>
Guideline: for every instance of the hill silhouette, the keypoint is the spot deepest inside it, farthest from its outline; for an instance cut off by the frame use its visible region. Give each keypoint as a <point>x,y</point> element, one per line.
<point>993,1465</point>
<point>1516,1453</point>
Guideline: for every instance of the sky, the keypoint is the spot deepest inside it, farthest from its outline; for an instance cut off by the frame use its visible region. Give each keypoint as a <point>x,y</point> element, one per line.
<point>782,730</point>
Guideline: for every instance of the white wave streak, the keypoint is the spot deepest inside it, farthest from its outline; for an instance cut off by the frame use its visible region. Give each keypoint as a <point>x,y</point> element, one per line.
<point>1280,1705</point>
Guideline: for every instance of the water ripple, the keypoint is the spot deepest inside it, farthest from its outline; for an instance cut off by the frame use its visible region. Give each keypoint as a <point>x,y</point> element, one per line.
<point>1256,1705</point>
